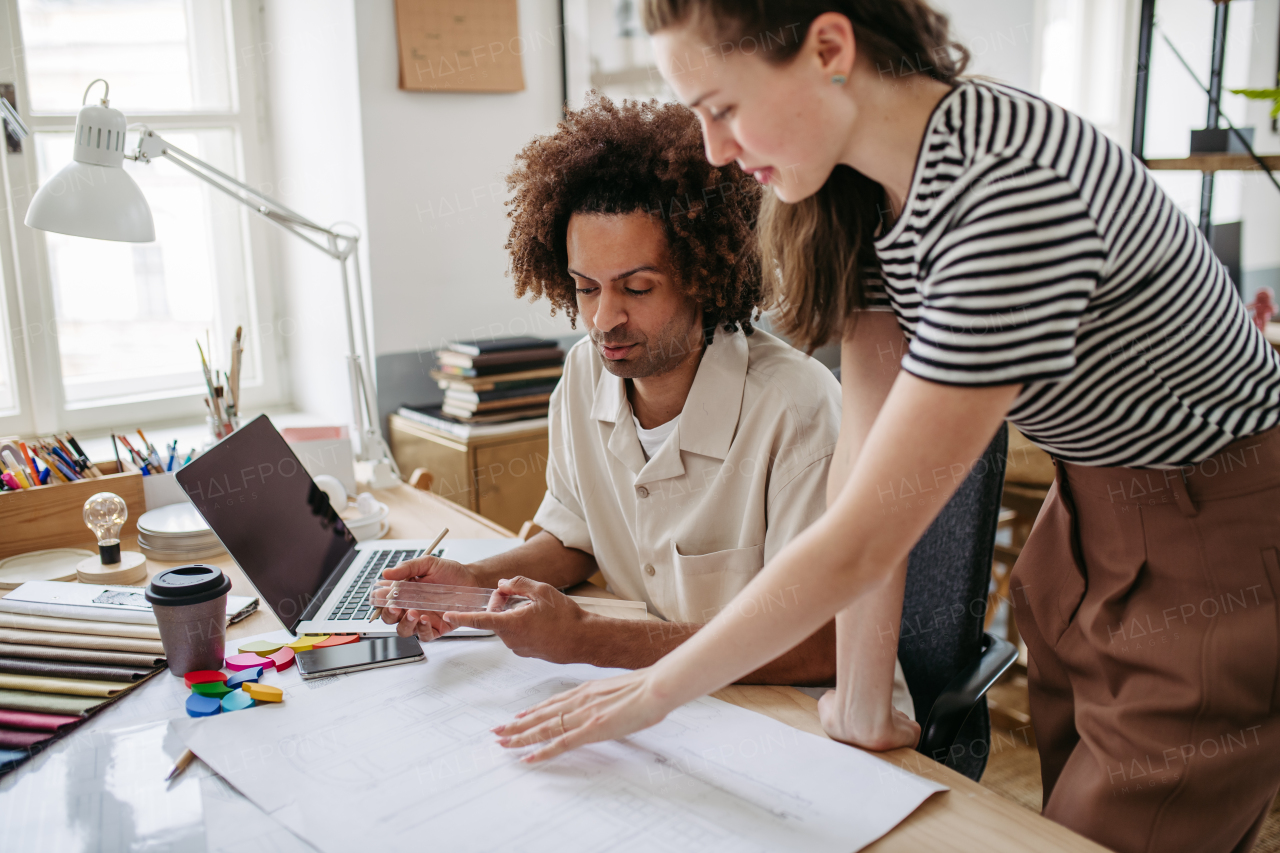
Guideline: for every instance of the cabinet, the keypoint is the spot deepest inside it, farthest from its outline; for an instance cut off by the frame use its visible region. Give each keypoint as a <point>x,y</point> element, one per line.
<point>501,477</point>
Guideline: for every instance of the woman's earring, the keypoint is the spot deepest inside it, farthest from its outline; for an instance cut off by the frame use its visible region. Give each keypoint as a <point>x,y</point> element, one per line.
<point>839,79</point>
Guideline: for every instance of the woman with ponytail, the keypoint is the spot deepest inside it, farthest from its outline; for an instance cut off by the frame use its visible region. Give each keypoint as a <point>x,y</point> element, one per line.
<point>984,255</point>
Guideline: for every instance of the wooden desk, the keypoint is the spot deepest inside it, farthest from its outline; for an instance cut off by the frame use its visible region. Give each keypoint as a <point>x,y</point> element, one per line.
<point>966,818</point>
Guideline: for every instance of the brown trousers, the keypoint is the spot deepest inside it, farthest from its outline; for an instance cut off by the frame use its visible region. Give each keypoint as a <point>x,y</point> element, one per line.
<point>1148,602</point>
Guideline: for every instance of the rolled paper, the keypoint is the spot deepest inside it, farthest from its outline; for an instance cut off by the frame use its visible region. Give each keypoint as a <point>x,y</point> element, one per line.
<point>260,647</point>
<point>248,661</point>
<point>216,689</point>
<point>264,692</point>
<point>203,706</point>
<point>306,642</point>
<point>283,658</point>
<point>337,640</point>
<point>238,680</point>
<point>237,700</point>
<point>203,676</point>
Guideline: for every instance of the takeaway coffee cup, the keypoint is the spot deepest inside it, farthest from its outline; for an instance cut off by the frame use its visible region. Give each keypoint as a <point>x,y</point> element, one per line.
<point>190,603</point>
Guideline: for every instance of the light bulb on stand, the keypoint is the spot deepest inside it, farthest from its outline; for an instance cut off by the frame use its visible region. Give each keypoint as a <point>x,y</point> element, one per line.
<point>105,514</point>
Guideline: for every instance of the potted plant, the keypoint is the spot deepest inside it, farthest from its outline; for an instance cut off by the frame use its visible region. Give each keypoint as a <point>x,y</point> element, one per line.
<point>1272,95</point>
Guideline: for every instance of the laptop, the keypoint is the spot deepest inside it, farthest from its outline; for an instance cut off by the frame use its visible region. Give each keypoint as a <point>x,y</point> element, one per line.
<point>281,530</point>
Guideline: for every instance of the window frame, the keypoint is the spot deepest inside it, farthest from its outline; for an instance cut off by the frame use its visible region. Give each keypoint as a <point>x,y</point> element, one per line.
<point>27,285</point>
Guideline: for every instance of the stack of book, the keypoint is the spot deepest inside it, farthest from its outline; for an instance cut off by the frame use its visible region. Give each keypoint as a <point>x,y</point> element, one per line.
<point>498,380</point>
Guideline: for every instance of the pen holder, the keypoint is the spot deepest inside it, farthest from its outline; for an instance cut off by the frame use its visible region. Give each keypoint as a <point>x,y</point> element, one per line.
<point>216,434</point>
<point>52,516</point>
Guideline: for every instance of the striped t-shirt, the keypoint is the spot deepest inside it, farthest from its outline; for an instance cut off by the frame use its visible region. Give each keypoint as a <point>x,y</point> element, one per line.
<point>1032,249</point>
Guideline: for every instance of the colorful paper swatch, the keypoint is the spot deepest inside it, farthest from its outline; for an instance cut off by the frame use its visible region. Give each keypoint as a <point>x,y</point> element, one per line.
<point>248,661</point>
<point>203,706</point>
<point>237,700</point>
<point>337,640</point>
<point>264,692</point>
<point>238,680</point>
<point>283,658</point>
<point>203,676</point>
<point>216,689</point>
<point>306,642</point>
<point>260,647</point>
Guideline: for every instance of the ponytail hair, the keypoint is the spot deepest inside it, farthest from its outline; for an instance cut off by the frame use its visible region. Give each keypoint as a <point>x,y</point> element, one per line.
<point>817,253</point>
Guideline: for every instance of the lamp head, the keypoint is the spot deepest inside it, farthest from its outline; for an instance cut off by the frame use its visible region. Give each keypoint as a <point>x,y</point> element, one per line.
<point>93,196</point>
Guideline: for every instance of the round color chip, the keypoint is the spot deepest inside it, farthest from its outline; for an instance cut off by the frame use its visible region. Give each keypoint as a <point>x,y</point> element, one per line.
<point>264,692</point>
<point>261,647</point>
<point>238,680</point>
<point>283,658</point>
<point>203,676</point>
<point>248,661</point>
<point>216,689</point>
<point>337,640</point>
<point>307,641</point>
<point>237,700</point>
<point>203,706</point>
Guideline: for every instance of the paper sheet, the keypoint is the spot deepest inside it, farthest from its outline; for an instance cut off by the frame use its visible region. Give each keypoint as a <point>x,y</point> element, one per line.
<point>398,758</point>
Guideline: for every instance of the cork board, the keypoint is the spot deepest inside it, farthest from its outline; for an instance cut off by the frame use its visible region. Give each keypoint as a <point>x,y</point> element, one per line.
<point>460,45</point>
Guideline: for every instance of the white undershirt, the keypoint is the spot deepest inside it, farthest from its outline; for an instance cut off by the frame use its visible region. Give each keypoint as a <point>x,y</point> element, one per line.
<point>651,439</point>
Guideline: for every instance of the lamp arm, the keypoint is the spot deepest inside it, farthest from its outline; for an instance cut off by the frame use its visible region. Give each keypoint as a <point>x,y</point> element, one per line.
<point>334,244</point>
<point>15,122</point>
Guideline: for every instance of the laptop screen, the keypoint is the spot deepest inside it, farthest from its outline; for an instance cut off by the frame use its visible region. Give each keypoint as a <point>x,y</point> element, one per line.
<point>270,515</point>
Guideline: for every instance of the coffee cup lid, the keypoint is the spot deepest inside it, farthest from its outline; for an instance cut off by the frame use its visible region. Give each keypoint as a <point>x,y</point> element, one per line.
<point>193,584</point>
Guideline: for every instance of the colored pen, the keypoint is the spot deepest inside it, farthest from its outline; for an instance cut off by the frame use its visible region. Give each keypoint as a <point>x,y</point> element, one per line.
<point>84,457</point>
<point>116,448</point>
<point>10,481</point>
<point>44,457</point>
<point>30,463</point>
<point>173,450</point>
<point>68,471</point>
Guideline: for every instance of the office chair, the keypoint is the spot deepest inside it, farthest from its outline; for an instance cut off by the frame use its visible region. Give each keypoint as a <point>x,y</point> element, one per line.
<point>948,660</point>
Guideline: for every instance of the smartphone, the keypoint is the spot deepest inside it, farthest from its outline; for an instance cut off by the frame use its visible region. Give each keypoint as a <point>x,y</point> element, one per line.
<point>353,657</point>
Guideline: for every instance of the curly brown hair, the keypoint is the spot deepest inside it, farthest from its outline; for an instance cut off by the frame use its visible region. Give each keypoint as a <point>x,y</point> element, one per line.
<point>637,157</point>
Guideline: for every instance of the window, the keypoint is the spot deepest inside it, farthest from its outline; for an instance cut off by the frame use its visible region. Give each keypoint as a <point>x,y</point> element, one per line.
<point>106,332</point>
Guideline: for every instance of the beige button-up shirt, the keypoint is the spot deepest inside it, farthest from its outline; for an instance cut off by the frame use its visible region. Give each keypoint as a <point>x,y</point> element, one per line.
<point>743,473</point>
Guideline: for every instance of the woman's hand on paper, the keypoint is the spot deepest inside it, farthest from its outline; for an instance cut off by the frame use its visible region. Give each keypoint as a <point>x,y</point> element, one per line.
<point>591,712</point>
<point>426,625</point>
<point>865,727</point>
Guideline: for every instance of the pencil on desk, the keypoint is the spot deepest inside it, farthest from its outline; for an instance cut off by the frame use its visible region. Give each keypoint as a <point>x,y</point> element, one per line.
<point>377,611</point>
<point>181,764</point>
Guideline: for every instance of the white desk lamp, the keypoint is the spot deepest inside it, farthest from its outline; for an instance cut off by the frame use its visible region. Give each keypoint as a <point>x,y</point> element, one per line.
<point>93,197</point>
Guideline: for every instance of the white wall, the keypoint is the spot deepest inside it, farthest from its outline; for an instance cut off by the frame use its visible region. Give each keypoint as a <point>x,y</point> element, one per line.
<point>1000,35</point>
<point>308,56</point>
<point>434,166</point>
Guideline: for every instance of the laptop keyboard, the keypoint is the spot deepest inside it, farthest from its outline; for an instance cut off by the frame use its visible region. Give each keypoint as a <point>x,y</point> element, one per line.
<point>355,602</point>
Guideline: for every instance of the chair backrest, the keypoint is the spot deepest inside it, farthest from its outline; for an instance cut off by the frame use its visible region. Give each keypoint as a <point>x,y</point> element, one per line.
<point>948,577</point>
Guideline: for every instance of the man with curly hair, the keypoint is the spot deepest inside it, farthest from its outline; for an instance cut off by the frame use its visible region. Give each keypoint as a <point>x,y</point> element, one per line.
<point>686,447</point>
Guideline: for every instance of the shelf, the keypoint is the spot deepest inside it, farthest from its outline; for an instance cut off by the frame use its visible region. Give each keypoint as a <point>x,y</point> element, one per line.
<point>1215,163</point>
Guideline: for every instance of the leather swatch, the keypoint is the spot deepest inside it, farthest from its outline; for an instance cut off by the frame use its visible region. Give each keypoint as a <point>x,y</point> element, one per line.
<point>63,686</point>
<point>28,721</point>
<point>80,641</point>
<point>47,703</point>
<point>63,669</point>
<point>147,661</point>
<point>78,626</point>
